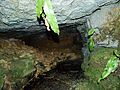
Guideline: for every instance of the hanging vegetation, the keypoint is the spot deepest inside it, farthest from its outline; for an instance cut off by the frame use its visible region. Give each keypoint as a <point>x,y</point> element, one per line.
<point>45,11</point>
<point>91,43</point>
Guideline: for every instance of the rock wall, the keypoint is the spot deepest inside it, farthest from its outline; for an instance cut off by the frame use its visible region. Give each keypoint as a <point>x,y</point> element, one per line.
<point>21,13</point>
<point>106,21</point>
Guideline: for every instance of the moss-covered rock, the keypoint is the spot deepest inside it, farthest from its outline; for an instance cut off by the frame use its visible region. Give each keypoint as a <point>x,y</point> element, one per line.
<point>93,69</point>
<point>16,62</point>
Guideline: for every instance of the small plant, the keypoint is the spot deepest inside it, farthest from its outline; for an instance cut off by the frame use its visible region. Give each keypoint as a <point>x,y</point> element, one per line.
<point>44,11</point>
<point>111,66</point>
<point>91,43</point>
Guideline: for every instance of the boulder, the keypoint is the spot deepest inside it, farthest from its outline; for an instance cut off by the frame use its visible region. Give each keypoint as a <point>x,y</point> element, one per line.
<point>21,13</point>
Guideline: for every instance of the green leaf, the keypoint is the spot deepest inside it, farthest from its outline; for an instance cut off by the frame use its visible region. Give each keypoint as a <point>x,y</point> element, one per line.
<point>111,66</point>
<point>91,32</point>
<point>50,16</point>
<point>91,44</point>
<point>39,7</point>
<point>115,52</point>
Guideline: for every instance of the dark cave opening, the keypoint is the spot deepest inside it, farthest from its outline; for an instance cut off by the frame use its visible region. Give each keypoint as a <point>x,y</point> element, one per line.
<point>61,77</point>
<point>64,73</point>
<point>69,47</point>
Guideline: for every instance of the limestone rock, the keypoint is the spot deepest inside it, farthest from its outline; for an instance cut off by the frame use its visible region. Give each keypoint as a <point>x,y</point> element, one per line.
<point>100,17</point>
<point>21,13</point>
<point>106,23</point>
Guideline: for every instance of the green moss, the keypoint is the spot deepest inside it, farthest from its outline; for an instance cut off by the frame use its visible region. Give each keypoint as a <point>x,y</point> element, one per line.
<point>16,62</point>
<point>94,67</point>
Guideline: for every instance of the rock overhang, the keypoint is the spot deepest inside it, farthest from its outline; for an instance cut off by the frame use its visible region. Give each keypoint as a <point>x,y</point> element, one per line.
<point>22,13</point>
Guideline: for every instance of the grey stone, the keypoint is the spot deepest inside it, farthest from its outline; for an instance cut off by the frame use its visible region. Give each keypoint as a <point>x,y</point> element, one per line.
<point>99,18</point>
<point>21,13</point>
<point>109,42</point>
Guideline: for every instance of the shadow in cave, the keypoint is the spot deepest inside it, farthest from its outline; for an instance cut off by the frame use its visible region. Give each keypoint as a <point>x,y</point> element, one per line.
<point>50,34</point>
<point>61,77</point>
<point>65,73</point>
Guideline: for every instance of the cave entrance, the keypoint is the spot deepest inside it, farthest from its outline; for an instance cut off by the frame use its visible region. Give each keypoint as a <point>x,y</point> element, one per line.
<point>66,49</point>
<point>67,46</point>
